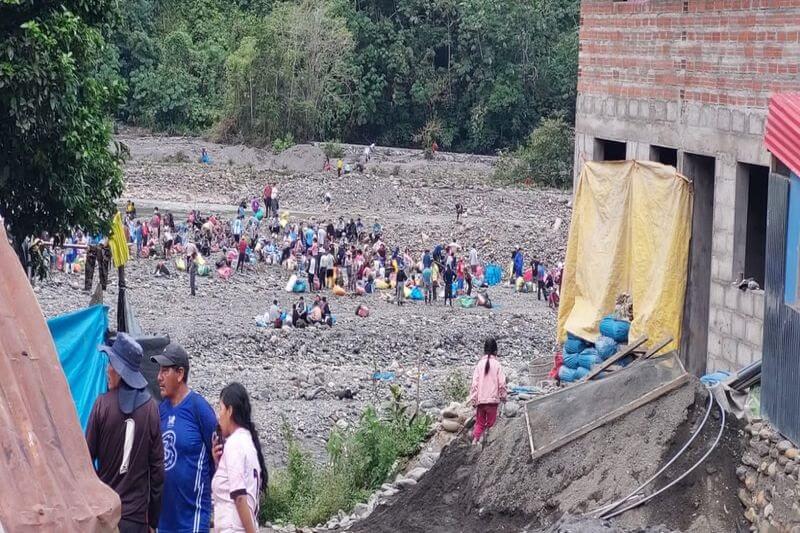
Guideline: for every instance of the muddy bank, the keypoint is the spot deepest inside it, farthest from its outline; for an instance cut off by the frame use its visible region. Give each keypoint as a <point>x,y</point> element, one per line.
<point>501,489</point>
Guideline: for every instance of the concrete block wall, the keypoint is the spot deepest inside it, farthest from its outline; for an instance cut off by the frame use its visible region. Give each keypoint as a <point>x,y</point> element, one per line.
<point>694,75</point>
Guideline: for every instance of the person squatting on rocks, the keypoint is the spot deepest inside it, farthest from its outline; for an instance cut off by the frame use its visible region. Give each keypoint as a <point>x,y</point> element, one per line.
<point>241,475</point>
<point>488,389</point>
<point>124,438</point>
<point>187,425</point>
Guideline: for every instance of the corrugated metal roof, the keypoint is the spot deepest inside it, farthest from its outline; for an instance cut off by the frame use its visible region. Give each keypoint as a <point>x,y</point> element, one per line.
<point>782,135</point>
<point>48,481</point>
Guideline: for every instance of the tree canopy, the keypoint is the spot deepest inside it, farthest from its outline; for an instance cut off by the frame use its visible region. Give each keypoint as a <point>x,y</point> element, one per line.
<point>58,90</point>
<point>485,72</point>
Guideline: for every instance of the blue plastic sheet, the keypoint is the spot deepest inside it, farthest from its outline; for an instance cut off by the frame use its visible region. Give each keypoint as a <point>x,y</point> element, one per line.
<point>77,336</point>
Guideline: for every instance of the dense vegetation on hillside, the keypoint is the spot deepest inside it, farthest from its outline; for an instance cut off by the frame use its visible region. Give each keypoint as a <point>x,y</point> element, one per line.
<point>478,75</point>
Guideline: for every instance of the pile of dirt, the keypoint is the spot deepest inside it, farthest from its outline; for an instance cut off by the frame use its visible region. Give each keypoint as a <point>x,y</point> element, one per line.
<point>300,158</point>
<point>502,489</point>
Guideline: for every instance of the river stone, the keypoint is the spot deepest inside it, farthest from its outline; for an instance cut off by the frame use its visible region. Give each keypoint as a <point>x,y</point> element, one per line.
<point>404,483</point>
<point>451,425</point>
<point>511,409</point>
<point>417,473</point>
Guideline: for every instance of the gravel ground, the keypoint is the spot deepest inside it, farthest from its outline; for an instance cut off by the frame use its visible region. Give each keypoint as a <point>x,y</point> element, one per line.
<point>282,369</point>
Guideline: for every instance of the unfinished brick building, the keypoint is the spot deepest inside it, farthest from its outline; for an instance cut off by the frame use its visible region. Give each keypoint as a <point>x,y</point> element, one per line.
<point>687,83</point>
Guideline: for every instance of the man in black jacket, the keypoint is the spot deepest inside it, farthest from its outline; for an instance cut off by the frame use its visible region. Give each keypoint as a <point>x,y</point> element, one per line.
<point>124,438</point>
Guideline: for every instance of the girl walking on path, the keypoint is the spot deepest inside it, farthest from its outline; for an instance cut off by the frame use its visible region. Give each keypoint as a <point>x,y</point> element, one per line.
<point>488,389</point>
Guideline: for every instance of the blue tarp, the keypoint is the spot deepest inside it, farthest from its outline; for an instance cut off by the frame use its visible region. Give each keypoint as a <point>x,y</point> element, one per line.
<point>77,336</point>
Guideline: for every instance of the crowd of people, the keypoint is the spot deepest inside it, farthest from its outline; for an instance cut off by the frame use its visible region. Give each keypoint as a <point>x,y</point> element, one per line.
<point>178,464</point>
<point>335,255</point>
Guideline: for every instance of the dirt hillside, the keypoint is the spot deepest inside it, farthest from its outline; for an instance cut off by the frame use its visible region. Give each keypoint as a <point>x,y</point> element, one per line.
<point>501,489</point>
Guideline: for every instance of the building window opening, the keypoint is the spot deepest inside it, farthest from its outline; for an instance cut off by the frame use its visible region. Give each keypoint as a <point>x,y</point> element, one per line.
<point>750,233</point>
<point>606,150</point>
<point>664,155</point>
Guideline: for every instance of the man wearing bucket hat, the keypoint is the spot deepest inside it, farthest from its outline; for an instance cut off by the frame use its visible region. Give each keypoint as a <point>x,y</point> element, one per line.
<point>124,438</point>
<point>187,425</point>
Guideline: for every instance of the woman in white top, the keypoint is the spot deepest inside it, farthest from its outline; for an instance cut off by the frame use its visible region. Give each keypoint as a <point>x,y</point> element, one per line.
<point>240,476</point>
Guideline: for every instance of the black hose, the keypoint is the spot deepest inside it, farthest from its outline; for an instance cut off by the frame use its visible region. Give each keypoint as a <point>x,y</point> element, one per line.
<point>676,480</point>
<point>611,506</point>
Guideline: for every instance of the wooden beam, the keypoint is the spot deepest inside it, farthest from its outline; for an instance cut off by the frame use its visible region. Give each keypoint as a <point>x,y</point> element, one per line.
<point>616,357</point>
<point>657,348</point>
<point>625,409</point>
<point>530,434</point>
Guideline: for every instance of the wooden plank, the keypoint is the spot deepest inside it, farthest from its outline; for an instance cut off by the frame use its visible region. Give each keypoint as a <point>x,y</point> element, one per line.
<point>657,348</point>
<point>625,409</point>
<point>530,432</point>
<point>616,357</point>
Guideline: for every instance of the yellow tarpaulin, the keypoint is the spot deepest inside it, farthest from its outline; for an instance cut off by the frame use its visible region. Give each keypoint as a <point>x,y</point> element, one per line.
<point>630,231</point>
<point>117,242</point>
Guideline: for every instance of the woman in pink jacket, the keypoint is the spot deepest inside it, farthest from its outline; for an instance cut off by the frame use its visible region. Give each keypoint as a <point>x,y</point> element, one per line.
<point>488,389</point>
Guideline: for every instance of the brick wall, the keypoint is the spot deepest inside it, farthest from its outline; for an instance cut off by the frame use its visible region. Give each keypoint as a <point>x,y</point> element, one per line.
<point>723,52</point>
<point>694,75</point>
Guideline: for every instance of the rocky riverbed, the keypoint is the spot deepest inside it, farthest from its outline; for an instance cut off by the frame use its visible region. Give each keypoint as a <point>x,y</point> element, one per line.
<point>314,378</point>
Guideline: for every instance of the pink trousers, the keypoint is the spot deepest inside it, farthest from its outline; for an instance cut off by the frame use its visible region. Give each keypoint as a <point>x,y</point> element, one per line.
<point>485,417</point>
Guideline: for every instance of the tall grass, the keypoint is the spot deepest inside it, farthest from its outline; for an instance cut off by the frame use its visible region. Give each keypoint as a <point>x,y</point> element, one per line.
<point>359,461</point>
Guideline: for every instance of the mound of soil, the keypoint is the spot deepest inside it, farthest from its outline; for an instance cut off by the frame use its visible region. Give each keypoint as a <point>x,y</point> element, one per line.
<point>502,489</point>
<point>300,158</point>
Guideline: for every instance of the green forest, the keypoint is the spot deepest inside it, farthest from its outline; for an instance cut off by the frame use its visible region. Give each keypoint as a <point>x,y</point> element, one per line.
<point>473,75</point>
<point>476,75</point>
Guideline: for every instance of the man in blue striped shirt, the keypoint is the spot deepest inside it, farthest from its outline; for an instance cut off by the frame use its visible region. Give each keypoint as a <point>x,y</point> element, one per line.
<point>187,425</point>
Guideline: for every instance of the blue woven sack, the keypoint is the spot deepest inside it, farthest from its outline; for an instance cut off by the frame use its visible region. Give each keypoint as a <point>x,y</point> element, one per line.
<point>615,329</point>
<point>300,286</point>
<point>494,274</point>
<point>566,374</point>
<point>606,347</point>
<point>588,358</point>
<point>581,373</point>
<point>570,360</point>
<point>574,344</point>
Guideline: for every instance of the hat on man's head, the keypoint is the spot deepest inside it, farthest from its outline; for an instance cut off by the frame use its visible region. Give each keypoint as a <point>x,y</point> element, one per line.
<point>125,356</point>
<point>173,355</point>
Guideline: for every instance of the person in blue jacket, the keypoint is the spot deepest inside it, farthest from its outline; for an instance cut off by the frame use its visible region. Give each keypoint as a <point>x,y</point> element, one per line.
<point>519,263</point>
<point>187,425</point>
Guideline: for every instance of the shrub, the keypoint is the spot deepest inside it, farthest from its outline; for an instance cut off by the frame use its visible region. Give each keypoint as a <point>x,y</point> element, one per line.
<point>359,461</point>
<point>333,149</point>
<point>546,158</point>
<point>456,386</point>
<point>283,143</point>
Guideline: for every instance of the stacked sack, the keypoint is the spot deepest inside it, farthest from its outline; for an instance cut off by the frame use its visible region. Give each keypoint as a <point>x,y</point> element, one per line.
<point>615,329</point>
<point>578,358</point>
